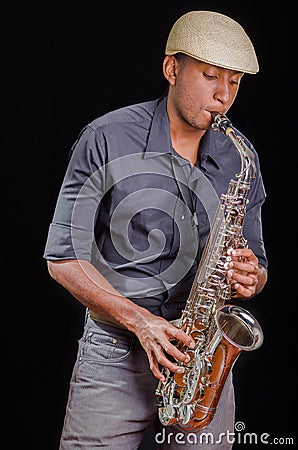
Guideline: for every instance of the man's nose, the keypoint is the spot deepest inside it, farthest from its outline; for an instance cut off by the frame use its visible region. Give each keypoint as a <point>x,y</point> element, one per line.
<point>223,94</point>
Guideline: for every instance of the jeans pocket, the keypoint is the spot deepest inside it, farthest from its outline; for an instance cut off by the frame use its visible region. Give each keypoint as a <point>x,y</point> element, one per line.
<point>102,346</point>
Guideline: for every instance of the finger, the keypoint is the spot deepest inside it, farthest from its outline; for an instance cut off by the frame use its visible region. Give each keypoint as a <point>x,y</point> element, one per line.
<point>155,369</point>
<point>172,366</point>
<point>172,350</point>
<point>244,291</point>
<point>158,359</point>
<point>242,278</point>
<point>244,266</point>
<point>179,335</point>
<point>246,253</point>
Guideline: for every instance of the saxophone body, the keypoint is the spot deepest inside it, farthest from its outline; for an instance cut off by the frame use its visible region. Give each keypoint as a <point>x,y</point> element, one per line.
<point>220,330</point>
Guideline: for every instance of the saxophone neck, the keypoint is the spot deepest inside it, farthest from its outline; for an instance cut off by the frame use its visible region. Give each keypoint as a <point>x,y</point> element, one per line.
<point>248,168</point>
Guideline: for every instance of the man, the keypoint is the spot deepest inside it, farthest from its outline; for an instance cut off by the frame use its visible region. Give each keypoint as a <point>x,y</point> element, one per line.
<point>131,221</point>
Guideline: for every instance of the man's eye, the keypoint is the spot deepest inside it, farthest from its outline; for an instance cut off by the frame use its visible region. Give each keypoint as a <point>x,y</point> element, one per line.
<point>236,82</point>
<point>209,77</point>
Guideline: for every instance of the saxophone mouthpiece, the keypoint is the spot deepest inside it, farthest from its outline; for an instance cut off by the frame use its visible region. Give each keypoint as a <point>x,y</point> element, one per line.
<point>214,114</point>
<point>214,125</point>
<point>221,122</point>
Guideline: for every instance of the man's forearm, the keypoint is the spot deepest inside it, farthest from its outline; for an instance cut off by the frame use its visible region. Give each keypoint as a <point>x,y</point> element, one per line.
<point>88,286</point>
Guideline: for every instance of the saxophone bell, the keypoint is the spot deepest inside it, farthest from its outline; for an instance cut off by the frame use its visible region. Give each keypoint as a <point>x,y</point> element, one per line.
<point>237,330</point>
<point>239,327</point>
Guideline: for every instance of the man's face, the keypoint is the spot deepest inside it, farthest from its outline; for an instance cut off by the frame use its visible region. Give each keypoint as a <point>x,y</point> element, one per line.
<point>201,89</point>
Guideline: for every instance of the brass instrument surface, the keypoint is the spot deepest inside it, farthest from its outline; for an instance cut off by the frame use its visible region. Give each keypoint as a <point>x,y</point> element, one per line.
<point>221,331</point>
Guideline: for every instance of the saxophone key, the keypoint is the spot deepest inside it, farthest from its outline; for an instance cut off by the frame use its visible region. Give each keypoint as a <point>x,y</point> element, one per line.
<point>186,414</point>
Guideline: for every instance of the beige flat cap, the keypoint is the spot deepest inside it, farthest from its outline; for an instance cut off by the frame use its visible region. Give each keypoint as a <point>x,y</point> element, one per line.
<point>213,38</point>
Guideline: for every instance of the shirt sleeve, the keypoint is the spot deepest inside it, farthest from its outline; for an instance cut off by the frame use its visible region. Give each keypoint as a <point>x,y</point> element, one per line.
<point>252,228</point>
<point>70,234</point>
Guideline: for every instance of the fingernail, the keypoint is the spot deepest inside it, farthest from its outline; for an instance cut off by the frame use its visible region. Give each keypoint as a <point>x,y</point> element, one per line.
<point>230,273</point>
<point>187,359</point>
<point>236,285</point>
<point>180,370</point>
<point>192,344</point>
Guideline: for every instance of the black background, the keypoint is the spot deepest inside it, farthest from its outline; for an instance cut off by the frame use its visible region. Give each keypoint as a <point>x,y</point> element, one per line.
<point>65,63</point>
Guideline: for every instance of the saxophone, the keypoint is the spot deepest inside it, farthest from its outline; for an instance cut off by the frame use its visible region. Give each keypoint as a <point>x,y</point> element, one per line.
<point>220,330</point>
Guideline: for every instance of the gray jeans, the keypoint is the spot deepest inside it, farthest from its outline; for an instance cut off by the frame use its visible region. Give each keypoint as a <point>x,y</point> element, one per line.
<point>112,399</point>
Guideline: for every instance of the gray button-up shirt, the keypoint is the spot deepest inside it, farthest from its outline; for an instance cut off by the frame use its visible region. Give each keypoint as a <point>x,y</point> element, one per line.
<point>139,212</point>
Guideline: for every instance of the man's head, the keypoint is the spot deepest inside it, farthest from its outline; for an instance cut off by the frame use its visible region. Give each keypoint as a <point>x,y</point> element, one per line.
<point>213,38</point>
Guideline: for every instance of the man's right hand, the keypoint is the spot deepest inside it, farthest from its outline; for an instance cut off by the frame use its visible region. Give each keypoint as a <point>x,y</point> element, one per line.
<point>155,335</point>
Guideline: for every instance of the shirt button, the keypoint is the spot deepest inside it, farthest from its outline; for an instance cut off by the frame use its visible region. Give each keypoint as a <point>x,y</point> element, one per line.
<point>182,216</point>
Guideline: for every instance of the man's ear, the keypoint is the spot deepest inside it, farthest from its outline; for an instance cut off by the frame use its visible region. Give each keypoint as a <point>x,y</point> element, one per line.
<point>169,69</point>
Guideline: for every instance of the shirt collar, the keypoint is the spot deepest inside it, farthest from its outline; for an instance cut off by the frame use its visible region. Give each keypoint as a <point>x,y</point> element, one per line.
<point>212,147</point>
<point>159,140</point>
